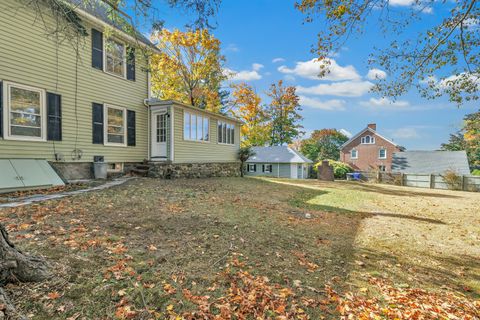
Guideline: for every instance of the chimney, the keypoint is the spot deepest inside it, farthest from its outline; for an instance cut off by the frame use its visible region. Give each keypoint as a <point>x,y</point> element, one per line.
<point>372,126</point>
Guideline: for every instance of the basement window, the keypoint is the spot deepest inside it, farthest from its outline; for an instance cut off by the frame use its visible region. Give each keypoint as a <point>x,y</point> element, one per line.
<point>115,167</point>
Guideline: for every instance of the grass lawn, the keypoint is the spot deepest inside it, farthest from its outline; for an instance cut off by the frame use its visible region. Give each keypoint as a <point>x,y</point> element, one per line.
<point>192,248</point>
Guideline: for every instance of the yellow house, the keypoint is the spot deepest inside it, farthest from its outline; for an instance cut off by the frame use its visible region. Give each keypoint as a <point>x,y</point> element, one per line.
<point>73,104</point>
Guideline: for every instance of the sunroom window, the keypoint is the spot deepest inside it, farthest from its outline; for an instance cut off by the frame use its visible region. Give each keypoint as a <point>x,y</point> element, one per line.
<point>115,121</point>
<point>115,57</point>
<point>25,112</point>
<point>226,133</point>
<point>196,127</point>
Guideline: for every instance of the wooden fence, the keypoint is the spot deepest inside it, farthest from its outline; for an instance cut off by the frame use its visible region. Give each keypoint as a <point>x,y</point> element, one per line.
<point>432,181</point>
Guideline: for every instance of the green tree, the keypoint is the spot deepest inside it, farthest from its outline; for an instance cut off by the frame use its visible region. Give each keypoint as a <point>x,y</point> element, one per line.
<point>283,112</point>
<point>443,59</point>
<point>456,142</point>
<point>468,139</point>
<point>243,155</point>
<point>323,144</point>
<point>471,135</point>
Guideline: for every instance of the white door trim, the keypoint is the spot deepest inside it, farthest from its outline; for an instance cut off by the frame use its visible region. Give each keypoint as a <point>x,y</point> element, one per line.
<point>157,152</point>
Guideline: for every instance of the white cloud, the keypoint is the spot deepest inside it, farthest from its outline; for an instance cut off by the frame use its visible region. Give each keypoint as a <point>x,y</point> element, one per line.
<point>384,102</point>
<point>375,74</point>
<point>311,70</point>
<point>405,133</point>
<point>289,78</point>
<point>330,105</point>
<point>346,132</point>
<point>232,47</point>
<point>456,81</point>
<point>277,60</point>
<point>244,75</point>
<point>401,3</point>
<point>257,66</point>
<point>340,89</point>
<point>473,23</point>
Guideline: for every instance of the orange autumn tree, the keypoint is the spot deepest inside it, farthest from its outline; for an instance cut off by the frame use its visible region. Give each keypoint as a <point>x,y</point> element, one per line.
<point>247,106</point>
<point>189,68</point>
<point>284,114</point>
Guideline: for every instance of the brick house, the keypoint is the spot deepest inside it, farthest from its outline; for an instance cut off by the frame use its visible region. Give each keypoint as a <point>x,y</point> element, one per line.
<point>368,150</point>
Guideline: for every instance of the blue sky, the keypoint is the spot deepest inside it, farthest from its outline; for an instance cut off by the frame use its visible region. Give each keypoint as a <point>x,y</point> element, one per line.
<point>266,40</point>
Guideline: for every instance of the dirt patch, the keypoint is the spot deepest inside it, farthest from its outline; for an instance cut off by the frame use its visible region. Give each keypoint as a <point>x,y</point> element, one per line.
<point>162,249</point>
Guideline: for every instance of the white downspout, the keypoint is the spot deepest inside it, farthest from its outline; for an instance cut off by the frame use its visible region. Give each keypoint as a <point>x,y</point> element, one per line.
<point>278,169</point>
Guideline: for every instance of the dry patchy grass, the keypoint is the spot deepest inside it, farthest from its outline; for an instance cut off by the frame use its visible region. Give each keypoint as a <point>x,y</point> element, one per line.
<point>157,248</point>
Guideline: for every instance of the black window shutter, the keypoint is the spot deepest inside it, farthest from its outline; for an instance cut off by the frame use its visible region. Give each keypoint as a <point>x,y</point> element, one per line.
<point>54,117</point>
<point>1,109</point>
<point>97,49</point>
<point>130,63</point>
<point>97,123</point>
<point>263,168</point>
<point>131,129</point>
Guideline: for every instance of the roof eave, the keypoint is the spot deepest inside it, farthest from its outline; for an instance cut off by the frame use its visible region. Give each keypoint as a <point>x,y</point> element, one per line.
<point>125,35</point>
<point>155,102</point>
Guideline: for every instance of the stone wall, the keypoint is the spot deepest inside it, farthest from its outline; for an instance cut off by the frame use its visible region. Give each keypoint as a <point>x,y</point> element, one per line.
<point>194,170</point>
<point>73,170</point>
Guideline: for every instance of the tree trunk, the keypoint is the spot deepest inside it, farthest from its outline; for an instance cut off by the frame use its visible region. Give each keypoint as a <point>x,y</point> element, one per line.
<point>241,169</point>
<point>16,266</point>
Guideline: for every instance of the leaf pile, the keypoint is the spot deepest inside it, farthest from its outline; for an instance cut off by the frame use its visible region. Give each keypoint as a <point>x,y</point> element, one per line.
<point>399,303</point>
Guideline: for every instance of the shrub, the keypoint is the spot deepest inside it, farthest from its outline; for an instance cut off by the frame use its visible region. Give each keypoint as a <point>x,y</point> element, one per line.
<point>340,169</point>
<point>453,180</point>
<point>476,172</point>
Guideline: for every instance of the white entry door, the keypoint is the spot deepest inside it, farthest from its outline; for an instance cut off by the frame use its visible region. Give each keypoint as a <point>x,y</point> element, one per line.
<point>159,135</point>
<point>293,171</point>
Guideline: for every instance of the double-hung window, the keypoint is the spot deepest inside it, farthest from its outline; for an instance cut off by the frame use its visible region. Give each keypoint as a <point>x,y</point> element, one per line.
<point>252,168</point>
<point>267,168</point>
<point>115,58</point>
<point>226,132</point>
<point>196,127</point>
<point>354,154</point>
<point>115,125</point>
<point>382,154</point>
<point>25,112</point>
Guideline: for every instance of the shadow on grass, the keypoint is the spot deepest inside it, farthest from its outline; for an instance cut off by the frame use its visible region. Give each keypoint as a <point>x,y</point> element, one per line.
<point>304,198</point>
<point>397,191</point>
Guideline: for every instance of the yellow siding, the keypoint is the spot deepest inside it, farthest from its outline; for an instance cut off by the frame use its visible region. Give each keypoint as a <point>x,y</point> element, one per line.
<point>195,152</point>
<point>28,57</point>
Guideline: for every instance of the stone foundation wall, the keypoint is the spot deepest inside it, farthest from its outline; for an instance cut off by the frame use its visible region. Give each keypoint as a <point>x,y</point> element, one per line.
<point>194,170</point>
<point>73,170</point>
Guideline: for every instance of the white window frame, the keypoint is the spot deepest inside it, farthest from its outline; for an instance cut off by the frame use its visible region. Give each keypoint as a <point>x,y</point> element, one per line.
<point>356,154</point>
<point>364,139</point>
<point>253,166</point>
<point>105,39</point>
<point>226,137</point>
<point>379,153</point>
<point>105,126</point>
<point>7,113</point>
<point>185,112</point>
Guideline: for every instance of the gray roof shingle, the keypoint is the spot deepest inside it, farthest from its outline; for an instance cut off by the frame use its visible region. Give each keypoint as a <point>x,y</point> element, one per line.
<point>104,12</point>
<point>277,154</point>
<point>430,162</point>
